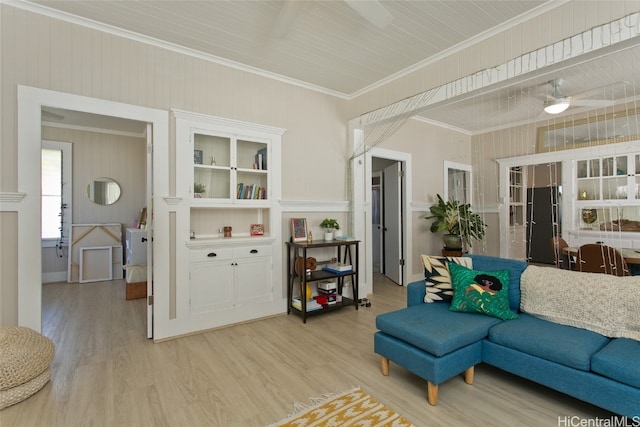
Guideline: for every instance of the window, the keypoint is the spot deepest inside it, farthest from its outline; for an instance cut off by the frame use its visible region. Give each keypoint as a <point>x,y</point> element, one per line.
<point>56,192</point>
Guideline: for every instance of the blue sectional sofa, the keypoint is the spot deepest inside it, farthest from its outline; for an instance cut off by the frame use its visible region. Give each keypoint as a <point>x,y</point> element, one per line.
<point>437,344</point>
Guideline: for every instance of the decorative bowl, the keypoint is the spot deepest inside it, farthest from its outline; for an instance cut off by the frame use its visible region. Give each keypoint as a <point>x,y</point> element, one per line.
<point>589,216</point>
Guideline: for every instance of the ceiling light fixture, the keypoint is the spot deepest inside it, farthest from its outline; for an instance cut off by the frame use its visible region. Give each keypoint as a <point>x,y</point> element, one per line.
<point>556,106</point>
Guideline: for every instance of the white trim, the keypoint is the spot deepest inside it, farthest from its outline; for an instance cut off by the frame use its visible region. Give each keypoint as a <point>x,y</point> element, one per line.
<point>443,125</point>
<point>92,129</point>
<point>29,132</point>
<point>10,200</point>
<point>314,205</point>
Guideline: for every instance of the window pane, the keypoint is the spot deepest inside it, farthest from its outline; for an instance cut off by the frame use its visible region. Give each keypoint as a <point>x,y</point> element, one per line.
<point>51,217</point>
<point>51,193</point>
<point>51,172</point>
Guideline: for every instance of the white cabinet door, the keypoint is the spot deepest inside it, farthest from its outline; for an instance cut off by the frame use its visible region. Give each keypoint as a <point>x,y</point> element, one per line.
<point>253,280</point>
<point>211,286</point>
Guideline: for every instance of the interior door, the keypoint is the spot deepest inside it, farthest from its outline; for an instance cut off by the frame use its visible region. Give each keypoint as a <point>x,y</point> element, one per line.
<point>541,213</point>
<point>149,205</point>
<point>376,221</point>
<point>392,220</point>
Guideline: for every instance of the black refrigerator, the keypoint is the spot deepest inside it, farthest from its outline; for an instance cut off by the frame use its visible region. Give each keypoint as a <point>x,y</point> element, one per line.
<point>543,223</point>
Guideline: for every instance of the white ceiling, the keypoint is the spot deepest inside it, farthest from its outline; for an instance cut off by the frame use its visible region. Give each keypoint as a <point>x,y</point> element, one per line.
<point>330,47</point>
<point>324,43</point>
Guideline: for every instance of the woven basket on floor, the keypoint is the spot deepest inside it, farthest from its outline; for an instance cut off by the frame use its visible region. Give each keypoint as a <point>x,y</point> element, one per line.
<point>25,356</point>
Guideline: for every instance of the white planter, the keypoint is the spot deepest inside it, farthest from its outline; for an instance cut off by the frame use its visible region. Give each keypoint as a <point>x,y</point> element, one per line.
<point>328,235</point>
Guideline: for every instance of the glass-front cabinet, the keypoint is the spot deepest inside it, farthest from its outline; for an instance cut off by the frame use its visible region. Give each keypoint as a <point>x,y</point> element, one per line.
<point>608,178</point>
<point>226,222</point>
<point>607,194</point>
<point>229,168</point>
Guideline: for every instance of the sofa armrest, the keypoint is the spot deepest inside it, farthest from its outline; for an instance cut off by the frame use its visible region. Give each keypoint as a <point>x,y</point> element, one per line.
<point>415,293</point>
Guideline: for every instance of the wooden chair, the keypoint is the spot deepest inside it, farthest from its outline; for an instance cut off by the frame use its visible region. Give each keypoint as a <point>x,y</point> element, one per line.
<point>562,260</point>
<point>597,258</point>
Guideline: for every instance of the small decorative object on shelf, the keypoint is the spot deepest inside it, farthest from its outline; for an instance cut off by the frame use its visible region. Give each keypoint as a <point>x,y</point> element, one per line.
<point>227,231</point>
<point>197,157</point>
<point>256,229</point>
<point>589,216</point>
<point>310,237</point>
<point>298,229</point>
<point>198,190</point>
<point>329,224</point>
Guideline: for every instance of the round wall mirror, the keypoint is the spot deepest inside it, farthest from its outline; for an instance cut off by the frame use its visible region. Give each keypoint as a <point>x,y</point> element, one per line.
<point>103,191</point>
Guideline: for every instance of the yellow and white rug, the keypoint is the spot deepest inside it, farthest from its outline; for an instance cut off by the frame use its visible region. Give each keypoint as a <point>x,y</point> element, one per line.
<point>351,408</point>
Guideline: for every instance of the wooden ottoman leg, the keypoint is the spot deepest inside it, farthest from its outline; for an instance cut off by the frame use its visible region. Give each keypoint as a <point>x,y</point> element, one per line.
<point>432,393</point>
<point>384,362</point>
<point>468,375</point>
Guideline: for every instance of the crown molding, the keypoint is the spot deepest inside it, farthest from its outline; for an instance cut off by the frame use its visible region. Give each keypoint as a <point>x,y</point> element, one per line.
<point>131,35</point>
<point>110,29</point>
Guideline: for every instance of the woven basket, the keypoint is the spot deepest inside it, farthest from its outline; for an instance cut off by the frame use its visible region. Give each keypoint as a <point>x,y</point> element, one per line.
<point>18,394</point>
<point>25,356</point>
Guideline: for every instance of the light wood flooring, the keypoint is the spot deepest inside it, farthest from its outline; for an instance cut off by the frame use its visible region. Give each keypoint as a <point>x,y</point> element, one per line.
<point>106,373</point>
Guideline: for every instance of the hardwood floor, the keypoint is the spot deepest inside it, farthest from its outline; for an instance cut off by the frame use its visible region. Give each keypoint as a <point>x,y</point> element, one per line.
<point>106,373</point>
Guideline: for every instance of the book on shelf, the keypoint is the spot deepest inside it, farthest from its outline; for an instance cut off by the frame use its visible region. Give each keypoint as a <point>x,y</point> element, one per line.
<point>338,267</point>
<point>312,305</point>
<point>327,285</point>
<point>261,159</point>
<point>344,238</point>
<point>250,191</point>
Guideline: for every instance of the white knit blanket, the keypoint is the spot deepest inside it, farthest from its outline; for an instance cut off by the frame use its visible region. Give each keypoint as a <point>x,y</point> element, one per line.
<point>602,303</point>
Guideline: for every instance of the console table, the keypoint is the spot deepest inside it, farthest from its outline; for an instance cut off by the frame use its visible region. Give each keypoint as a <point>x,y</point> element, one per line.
<point>300,250</point>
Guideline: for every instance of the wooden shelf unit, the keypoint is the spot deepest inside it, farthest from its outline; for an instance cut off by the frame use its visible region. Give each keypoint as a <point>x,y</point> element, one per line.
<point>343,254</point>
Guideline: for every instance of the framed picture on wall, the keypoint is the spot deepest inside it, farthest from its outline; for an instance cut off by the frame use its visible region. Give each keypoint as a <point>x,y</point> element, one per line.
<point>298,229</point>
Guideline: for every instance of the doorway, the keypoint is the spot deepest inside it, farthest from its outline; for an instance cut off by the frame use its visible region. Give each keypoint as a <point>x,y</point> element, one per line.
<point>31,102</point>
<point>108,169</point>
<point>387,218</point>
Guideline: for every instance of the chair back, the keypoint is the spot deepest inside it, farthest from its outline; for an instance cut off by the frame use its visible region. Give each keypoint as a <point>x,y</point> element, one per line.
<point>561,259</point>
<point>597,258</point>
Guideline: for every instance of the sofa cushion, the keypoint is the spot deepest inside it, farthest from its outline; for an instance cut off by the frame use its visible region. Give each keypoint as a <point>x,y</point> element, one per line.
<point>437,277</point>
<point>601,303</point>
<point>562,344</point>
<point>515,267</point>
<point>617,360</point>
<point>484,292</point>
<point>435,329</point>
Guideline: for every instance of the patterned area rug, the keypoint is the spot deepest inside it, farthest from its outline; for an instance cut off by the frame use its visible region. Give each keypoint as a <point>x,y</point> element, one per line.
<point>351,408</point>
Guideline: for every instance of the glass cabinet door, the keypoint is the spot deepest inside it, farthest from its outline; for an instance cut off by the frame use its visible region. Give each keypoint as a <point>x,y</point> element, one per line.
<point>588,179</point>
<point>252,170</point>
<point>211,166</point>
<point>614,178</point>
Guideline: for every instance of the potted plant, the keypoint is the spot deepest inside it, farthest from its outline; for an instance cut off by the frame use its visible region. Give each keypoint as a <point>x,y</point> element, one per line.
<point>329,225</point>
<point>198,190</point>
<point>458,221</point>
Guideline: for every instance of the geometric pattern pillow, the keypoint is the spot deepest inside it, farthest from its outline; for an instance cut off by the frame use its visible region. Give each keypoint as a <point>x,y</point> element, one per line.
<point>485,292</point>
<point>437,277</point>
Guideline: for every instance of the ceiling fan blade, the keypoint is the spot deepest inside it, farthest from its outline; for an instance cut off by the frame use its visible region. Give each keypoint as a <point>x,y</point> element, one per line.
<point>372,11</point>
<point>592,103</point>
<point>286,17</point>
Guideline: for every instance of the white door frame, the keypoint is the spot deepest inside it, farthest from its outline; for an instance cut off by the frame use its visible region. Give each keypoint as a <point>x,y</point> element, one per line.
<point>361,206</point>
<point>30,103</point>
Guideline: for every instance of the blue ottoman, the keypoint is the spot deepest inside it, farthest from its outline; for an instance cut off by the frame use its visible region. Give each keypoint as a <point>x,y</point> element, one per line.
<point>432,342</point>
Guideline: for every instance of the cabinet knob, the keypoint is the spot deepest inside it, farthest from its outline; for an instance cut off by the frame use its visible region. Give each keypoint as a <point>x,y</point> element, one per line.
<point>253,251</point>
<point>212,254</point>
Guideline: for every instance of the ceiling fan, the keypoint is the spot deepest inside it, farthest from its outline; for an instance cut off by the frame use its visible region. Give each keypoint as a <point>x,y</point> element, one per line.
<point>373,11</point>
<point>558,102</point>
